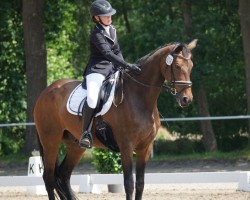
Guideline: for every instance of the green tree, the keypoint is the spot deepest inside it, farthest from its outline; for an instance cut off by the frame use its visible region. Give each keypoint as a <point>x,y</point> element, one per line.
<point>244,13</point>
<point>35,62</point>
<point>142,26</point>
<point>12,76</point>
<point>219,65</point>
<point>208,139</point>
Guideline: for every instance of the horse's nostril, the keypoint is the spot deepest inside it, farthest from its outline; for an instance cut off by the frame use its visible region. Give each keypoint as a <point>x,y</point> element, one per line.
<point>185,100</point>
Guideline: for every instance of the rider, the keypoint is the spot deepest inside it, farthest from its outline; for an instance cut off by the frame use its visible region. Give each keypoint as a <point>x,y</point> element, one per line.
<point>104,58</point>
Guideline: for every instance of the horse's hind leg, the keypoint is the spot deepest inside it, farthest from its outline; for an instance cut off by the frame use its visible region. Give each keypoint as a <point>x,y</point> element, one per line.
<point>49,180</point>
<point>50,152</point>
<point>50,137</point>
<point>65,169</point>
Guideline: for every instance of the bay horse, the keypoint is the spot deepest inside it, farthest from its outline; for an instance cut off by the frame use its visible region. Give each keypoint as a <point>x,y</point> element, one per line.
<point>134,122</point>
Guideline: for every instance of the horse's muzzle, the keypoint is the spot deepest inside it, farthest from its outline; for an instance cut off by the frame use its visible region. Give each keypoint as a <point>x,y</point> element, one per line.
<point>183,100</point>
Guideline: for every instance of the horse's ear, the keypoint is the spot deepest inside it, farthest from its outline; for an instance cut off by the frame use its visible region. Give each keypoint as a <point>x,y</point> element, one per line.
<point>192,44</point>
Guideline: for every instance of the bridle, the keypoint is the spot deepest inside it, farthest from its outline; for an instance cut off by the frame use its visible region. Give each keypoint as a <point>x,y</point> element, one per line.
<point>171,87</point>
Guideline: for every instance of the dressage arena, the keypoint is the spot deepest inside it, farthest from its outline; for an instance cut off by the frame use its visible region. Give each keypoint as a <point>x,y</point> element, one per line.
<point>181,186</point>
<point>184,180</point>
<point>152,192</point>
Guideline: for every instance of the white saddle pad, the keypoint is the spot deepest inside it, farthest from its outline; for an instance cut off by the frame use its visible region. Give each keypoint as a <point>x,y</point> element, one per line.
<point>78,94</point>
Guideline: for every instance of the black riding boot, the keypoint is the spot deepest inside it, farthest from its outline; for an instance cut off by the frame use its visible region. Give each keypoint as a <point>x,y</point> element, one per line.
<point>86,140</point>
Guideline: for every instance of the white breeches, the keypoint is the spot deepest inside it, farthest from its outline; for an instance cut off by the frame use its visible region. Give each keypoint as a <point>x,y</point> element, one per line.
<point>94,83</point>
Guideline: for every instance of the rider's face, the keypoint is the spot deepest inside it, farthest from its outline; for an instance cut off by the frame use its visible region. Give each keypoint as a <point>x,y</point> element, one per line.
<point>106,20</point>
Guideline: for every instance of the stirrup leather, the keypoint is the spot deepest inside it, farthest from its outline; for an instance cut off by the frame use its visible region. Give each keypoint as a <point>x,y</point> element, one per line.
<point>86,140</point>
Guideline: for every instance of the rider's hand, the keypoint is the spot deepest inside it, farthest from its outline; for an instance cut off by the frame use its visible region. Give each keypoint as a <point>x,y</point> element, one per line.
<point>133,67</point>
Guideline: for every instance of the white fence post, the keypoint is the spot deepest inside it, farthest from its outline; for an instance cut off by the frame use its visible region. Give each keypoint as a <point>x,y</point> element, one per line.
<point>35,169</point>
<point>86,185</point>
<point>244,181</point>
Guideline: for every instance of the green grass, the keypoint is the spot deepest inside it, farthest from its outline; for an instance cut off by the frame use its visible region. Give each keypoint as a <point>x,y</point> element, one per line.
<point>22,159</point>
<point>14,158</point>
<point>235,155</point>
<point>87,157</point>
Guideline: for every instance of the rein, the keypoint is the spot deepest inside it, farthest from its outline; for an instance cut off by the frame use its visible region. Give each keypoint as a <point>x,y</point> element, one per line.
<point>140,83</point>
<point>169,88</point>
<point>122,72</point>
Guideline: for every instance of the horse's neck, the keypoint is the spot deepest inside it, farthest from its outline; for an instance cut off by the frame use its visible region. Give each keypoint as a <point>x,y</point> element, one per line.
<point>151,71</point>
<point>150,81</point>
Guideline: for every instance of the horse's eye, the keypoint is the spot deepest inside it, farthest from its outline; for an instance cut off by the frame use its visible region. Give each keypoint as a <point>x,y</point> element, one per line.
<point>178,66</point>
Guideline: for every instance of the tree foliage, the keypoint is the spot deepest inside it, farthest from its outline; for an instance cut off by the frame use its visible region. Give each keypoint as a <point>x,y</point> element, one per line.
<point>12,78</point>
<point>142,26</point>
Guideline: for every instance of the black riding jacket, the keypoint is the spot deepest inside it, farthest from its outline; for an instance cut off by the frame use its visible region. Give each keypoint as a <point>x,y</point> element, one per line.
<point>105,52</point>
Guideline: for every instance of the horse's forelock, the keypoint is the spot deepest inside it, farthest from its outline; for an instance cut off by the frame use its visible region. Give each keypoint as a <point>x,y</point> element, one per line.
<point>181,48</point>
<point>185,51</point>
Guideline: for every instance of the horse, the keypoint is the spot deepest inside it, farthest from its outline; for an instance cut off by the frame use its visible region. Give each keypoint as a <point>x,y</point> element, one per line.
<point>134,122</point>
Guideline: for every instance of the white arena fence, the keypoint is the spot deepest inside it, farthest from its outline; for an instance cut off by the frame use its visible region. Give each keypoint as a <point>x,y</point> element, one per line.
<point>162,119</point>
<point>88,183</point>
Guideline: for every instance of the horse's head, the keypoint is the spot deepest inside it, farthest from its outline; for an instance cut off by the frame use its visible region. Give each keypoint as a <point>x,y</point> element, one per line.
<point>176,69</point>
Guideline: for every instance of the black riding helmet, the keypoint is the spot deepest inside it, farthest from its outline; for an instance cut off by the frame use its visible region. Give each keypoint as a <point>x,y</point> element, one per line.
<point>101,8</point>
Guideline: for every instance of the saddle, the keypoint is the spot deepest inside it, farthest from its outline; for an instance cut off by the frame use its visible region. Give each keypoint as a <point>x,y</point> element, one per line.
<point>104,93</point>
<point>106,88</point>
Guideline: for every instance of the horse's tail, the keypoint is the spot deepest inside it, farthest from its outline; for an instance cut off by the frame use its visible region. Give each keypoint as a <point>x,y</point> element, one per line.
<point>40,149</point>
<point>61,185</point>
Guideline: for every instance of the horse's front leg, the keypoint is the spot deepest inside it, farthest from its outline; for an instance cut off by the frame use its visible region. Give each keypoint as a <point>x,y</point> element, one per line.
<point>127,165</point>
<point>142,156</point>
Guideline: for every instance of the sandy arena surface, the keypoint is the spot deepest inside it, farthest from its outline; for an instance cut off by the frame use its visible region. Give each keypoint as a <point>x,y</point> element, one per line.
<point>151,192</point>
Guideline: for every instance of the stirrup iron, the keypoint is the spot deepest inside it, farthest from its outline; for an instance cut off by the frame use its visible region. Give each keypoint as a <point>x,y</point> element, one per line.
<point>87,138</point>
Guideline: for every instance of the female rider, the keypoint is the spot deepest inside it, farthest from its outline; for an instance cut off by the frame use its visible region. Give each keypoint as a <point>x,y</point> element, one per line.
<point>105,57</point>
